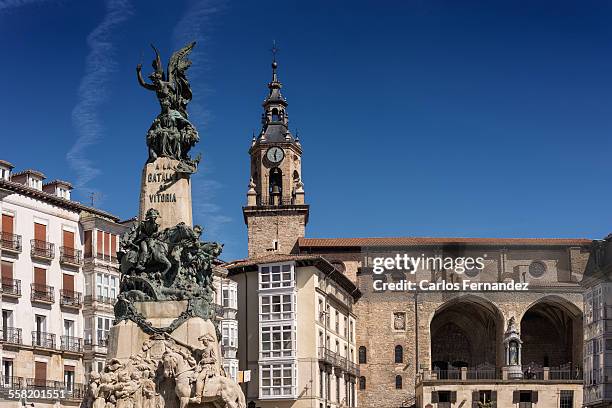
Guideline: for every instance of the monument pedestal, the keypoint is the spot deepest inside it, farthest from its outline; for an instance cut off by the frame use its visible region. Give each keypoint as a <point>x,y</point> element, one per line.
<point>166,190</point>
<point>126,338</point>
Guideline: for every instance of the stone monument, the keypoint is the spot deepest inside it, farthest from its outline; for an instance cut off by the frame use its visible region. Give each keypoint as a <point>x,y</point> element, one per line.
<point>164,347</point>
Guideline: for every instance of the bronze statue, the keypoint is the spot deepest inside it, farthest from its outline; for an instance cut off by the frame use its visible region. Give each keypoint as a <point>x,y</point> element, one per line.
<point>171,134</point>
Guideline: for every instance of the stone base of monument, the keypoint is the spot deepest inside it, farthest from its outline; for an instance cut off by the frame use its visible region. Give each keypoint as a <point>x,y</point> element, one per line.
<point>168,190</point>
<point>162,370</point>
<point>515,372</point>
<point>126,338</point>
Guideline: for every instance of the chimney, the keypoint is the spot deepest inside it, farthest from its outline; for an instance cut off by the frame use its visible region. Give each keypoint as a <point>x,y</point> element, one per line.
<point>5,170</point>
<point>58,188</point>
<point>30,178</point>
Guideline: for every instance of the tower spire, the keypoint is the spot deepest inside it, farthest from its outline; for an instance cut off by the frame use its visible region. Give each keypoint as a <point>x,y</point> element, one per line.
<point>275,120</point>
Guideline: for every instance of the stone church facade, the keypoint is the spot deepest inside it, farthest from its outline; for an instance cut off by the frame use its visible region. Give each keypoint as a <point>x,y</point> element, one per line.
<point>428,347</point>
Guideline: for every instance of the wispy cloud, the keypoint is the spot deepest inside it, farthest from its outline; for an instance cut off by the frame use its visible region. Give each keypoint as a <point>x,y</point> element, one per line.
<point>93,91</point>
<point>11,4</point>
<point>195,25</point>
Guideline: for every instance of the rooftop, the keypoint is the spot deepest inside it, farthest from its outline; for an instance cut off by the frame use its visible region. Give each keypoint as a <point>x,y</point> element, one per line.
<point>53,199</point>
<point>251,264</point>
<point>431,241</point>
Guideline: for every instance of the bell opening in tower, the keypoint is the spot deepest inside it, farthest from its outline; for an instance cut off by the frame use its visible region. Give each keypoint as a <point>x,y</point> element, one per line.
<point>276,185</point>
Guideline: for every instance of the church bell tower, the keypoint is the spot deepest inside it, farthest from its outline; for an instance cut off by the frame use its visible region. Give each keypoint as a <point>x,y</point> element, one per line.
<point>276,213</point>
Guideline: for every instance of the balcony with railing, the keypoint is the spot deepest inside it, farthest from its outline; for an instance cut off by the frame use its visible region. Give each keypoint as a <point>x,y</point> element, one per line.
<point>10,242</point>
<point>11,382</point>
<point>334,359</point>
<point>42,293</point>
<point>69,343</point>
<point>70,298</point>
<point>44,340</point>
<point>492,374</point>
<point>90,299</point>
<point>71,256</point>
<point>11,335</point>
<point>99,341</point>
<point>93,256</point>
<point>42,249</point>
<point>11,287</point>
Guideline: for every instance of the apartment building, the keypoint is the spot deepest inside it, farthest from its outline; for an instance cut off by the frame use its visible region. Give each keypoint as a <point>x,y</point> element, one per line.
<point>42,257</point>
<point>598,326</point>
<point>60,281</point>
<point>297,331</point>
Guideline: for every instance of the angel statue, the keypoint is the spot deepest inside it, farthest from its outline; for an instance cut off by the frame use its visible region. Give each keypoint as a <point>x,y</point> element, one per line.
<point>171,134</point>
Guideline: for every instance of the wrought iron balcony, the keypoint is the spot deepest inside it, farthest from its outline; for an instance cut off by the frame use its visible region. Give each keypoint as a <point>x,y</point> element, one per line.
<point>42,293</point>
<point>11,287</point>
<point>42,339</point>
<point>101,299</point>
<point>69,298</point>
<point>100,341</point>
<point>71,256</point>
<point>11,335</point>
<point>327,356</point>
<point>42,249</point>
<point>43,383</point>
<point>69,343</point>
<point>89,257</point>
<point>10,242</point>
<point>10,382</point>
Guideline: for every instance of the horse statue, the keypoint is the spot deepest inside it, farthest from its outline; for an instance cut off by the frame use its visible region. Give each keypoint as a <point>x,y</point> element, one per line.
<point>217,389</point>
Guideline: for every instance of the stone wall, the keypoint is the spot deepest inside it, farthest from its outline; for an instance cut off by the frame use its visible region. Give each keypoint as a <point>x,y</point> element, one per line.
<point>265,227</point>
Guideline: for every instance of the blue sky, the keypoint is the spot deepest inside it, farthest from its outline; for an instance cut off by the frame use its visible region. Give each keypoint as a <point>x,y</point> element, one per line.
<point>417,118</point>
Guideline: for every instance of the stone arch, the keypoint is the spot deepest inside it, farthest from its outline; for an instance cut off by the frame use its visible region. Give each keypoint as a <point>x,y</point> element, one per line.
<point>466,331</point>
<point>551,331</point>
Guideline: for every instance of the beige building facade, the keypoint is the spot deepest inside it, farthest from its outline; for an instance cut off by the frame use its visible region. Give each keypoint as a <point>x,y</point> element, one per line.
<point>43,256</point>
<point>297,332</point>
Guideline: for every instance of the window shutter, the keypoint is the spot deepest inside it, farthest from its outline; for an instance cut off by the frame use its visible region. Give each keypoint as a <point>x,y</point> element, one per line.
<point>7,270</point>
<point>453,397</point>
<point>40,276</point>
<point>434,397</point>
<point>106,245</point>
<point>113,245</point>
<point>40,232</point>
<point>100,244</point>
<point>88,244</point>
<point>534,397</point>
<point>68,239</point>
<point>7,223</point>
<point>40,373</point>
<point>516,397</point>
<point>68,283</point>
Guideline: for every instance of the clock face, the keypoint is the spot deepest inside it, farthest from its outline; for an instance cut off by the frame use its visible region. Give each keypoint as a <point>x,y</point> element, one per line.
<point>275,154</point>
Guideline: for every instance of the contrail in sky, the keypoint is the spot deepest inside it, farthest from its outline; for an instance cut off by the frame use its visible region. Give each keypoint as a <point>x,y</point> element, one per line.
<point>99,65</point>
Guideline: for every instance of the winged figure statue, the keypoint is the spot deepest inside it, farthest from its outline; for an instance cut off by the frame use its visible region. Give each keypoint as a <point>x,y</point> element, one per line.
<point>171,134</point>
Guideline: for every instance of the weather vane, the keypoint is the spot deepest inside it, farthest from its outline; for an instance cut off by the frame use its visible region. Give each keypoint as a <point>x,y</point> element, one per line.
<point>274,50</point>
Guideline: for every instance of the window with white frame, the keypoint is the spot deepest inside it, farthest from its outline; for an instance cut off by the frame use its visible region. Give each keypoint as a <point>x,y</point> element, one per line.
<point>231,368</point>
<point>277,341</point>
<point>276,307</point>
<point>229,295</point>
<point>276,276</point>
<point>229,333</point>
<point>107,286</point>
<point>103,328</point>
<point>277,380</point>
